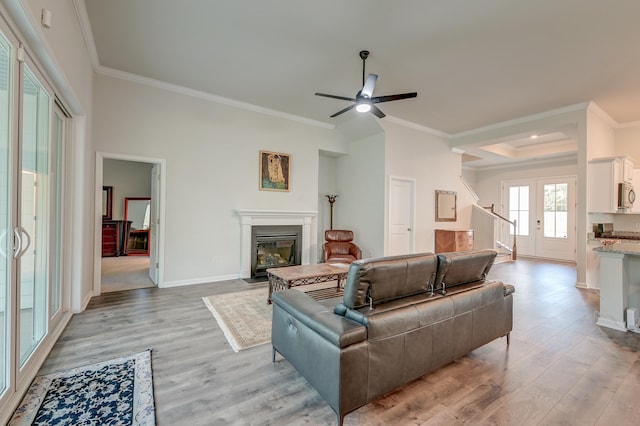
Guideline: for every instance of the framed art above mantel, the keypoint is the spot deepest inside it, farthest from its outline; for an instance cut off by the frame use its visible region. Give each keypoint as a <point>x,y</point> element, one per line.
<point>275,171</point>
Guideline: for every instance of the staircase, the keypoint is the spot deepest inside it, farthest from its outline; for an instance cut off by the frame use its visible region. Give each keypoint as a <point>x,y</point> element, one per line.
<point>491,230</point>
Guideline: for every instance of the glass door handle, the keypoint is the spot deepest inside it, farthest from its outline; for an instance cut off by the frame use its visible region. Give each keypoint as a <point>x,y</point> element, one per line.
<point>17,243</point>
<point>26,247</point>
<point>18,249</point>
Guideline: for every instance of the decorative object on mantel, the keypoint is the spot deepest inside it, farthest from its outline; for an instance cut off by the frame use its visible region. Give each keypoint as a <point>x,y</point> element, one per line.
<point>118,391</point>
<point>332,199</point>
<point>275,170</point>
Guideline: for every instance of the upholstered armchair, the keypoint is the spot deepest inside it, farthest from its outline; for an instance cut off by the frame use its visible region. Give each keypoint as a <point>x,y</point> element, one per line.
<point>339,247</point>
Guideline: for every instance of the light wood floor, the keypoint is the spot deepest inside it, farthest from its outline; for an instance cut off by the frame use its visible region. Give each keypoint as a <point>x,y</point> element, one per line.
<point>124,273</point>
<point>559,369</point>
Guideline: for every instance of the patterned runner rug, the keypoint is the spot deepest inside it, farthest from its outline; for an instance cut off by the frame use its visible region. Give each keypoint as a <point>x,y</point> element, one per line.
<point>245,316</point>
<point>114,392</point>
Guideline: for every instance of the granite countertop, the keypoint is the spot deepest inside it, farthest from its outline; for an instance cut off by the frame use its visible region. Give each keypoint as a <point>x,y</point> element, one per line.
<point>621,248</point>
<point>619,235</point>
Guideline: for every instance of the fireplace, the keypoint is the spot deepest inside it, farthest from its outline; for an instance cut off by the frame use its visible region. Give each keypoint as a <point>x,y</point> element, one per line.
<point>250,218</point>
<point>274,247</point>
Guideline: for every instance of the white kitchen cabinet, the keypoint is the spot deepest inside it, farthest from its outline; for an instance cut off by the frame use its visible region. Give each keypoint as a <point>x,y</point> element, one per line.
<point>604,174</point>
<point>627,170</point>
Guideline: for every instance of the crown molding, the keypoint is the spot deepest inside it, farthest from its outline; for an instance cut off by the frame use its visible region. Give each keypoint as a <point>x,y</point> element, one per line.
<point>522,120</point>
<point>412,125</point>
<point>87,32</point>
<point>135,78</point>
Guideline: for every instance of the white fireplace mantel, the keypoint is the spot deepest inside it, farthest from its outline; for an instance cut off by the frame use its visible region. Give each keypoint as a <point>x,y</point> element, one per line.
<point>249,218</point>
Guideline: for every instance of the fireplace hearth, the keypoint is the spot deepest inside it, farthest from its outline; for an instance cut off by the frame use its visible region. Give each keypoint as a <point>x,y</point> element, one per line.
<point>274,247</point>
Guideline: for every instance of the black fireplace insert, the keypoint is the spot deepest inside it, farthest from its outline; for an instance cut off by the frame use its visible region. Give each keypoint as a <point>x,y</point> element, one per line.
<point>274,247</point>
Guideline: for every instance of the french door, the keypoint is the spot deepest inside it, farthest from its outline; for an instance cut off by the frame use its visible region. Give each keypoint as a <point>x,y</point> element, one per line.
<point>544,210</point>
<point>32,294</point>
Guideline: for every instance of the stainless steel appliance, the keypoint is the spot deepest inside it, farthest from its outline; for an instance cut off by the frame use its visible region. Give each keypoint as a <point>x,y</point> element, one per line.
<point>626,195</point>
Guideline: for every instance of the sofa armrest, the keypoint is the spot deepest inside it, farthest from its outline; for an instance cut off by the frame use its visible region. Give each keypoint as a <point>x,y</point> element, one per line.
<point>338,330</point>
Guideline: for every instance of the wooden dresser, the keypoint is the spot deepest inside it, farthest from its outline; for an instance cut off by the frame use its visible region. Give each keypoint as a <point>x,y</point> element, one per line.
<point>115,234</point>
<point>448,240</point>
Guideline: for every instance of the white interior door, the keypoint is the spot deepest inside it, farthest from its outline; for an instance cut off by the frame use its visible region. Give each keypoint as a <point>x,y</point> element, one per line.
<point>153,223</point>
<point>401,216</point>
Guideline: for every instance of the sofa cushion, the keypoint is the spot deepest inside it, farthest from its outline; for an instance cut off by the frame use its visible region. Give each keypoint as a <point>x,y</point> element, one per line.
<point>375,281</point>
<point>463,267</point>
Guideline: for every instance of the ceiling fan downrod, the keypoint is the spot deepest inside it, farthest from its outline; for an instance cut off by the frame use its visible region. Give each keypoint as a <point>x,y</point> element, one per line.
<point>364,54</point>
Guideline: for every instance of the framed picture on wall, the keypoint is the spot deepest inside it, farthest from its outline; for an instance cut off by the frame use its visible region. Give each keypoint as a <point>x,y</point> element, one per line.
<point>275,168</point>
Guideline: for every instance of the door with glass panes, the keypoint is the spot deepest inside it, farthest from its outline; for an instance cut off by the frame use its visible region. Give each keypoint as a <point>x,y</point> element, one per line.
<point>545,213</point>
<point>32,134</point>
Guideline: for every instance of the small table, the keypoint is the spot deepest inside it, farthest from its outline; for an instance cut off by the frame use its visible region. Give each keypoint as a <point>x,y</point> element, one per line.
<point>293,276</point>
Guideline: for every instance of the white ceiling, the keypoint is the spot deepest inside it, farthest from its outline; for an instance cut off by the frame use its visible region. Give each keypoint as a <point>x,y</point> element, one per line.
<point>473,63</point>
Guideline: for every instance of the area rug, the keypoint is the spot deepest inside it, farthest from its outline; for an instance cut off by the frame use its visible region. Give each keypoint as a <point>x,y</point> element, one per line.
<point>114,392</point>
<point>245,316</point>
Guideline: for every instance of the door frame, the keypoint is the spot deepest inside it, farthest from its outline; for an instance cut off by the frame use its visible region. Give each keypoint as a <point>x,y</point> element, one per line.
<point>412,209</point>
<point>159,241</point>
<point>533,184</point>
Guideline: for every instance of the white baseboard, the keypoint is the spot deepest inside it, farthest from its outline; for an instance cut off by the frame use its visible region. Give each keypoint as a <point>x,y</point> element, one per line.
<point>86,301</point>
<point>616,325</point>
<point>581,285</point>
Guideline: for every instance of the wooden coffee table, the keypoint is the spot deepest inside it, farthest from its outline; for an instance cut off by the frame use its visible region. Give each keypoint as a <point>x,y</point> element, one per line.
<point>293,276</point>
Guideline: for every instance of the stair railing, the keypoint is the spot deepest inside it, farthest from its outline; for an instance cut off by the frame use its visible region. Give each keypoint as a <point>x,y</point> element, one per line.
<point>514,248</point>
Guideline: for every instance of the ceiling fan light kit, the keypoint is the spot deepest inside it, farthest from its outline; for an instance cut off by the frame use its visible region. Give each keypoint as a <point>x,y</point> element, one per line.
<point>364,100</point>
<point>363,107</point>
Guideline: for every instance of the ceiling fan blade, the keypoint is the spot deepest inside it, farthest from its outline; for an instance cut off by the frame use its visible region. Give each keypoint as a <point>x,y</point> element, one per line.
<point>369,86</point>
<point>343,98</point>
<point>376,111</point>
<point>342,111</point>
<point>390,98</point>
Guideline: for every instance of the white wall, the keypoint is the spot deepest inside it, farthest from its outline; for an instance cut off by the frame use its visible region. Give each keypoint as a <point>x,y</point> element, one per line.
<point>211,152</point>
<point>428,159</point>
<point>360,178</point>
<point>628,143</point>
<point>128,179</point>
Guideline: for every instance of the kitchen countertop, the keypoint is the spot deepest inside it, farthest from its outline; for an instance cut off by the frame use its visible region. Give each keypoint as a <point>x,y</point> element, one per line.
<point>621,248</point>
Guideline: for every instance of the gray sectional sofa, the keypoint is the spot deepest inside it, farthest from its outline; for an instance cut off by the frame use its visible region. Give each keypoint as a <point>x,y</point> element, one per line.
<point>400,317</point>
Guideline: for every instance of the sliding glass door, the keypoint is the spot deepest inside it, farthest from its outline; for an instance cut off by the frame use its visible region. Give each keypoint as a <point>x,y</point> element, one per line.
<point>6,233</point>
<point>33,229</point>
<point>32,140</point>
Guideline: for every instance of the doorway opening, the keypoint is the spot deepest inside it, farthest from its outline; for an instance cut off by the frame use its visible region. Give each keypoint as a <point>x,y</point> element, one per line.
<point>129,238</point>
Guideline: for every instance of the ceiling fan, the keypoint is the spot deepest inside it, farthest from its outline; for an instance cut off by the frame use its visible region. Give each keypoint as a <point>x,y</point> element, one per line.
<point>364,102</point>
